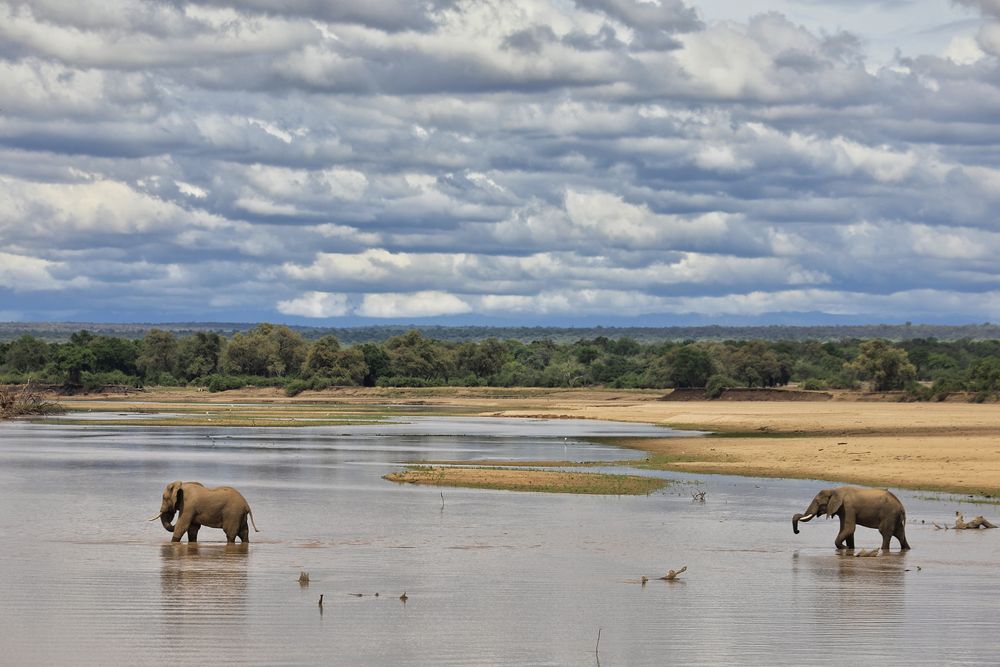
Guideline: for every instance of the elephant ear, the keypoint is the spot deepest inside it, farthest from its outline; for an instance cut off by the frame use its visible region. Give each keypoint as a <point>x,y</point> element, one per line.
<point>176,495</point>
<point>836,500</point>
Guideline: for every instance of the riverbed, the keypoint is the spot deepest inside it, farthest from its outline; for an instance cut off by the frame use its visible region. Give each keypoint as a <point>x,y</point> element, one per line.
<point>490,577</point>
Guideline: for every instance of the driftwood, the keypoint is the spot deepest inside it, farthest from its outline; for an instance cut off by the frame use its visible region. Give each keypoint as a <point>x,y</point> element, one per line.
<point>24,400</point>
<point>962,524</point>
<point>672,574</point>
<point>698,496</point>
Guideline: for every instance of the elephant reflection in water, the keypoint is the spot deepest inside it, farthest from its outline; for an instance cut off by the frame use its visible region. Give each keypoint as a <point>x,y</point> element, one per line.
<point>201,585</point>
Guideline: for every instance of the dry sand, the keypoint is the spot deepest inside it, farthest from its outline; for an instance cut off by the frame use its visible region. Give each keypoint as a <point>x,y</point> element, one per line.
<point>935,446</point>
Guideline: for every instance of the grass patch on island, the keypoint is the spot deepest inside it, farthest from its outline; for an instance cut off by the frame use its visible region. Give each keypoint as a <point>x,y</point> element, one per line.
<point>539,481</point>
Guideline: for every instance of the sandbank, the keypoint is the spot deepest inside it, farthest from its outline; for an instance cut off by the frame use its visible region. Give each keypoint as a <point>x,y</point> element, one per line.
<point>949,446</point>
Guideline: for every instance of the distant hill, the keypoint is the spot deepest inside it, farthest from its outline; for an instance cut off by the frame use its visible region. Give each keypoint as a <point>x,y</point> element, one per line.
<point>61,331</point>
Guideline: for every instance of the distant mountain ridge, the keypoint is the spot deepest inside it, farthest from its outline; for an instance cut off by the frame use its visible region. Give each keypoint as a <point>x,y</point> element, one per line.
<point>61,331</point>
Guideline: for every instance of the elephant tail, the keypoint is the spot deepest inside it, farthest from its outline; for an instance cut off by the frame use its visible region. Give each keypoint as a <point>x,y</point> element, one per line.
<point>254,523</point>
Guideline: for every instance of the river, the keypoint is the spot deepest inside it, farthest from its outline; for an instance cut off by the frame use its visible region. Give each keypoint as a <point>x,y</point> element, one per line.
<point>491,577</point>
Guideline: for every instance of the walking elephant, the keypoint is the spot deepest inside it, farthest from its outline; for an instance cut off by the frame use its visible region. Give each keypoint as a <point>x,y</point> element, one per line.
<point>196,506</point>
<point>872,508</point>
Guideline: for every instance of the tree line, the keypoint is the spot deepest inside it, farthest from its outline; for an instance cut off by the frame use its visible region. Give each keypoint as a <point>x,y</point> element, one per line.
<point>276,355</point>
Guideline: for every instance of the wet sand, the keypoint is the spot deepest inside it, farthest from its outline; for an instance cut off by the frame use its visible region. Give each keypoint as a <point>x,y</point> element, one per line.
<point>948,446</point>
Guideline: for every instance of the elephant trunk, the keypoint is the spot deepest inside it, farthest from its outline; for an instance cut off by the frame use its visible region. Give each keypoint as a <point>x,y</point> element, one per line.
<point>165,518</point>
<point>800,517</point>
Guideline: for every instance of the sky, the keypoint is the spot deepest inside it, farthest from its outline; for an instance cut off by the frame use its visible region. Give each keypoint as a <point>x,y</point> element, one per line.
<point>539,162</point>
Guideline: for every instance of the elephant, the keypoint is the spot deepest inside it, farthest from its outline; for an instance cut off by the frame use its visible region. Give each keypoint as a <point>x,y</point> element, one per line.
<point>872,508</point>
<point>196,506</point>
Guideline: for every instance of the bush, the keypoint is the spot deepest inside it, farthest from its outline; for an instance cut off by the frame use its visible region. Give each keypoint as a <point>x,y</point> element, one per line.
<point>227,382</point>
<point>845,379</point>
<point>407,381</point>
<point>815,384</point>
<point>914,391</point>
<point>97,381</point>
<point>317,383</point>
<point>719,383</point>
<point>296,387</point>
<point>946,385</point>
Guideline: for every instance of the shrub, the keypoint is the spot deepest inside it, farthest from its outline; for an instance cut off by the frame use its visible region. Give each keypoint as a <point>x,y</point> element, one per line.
<point>227,382</point>
<point>296,387</point>
<point>97,381</point>
<point>407,381</point>
<point>815,384</point>
<point>719,383</point>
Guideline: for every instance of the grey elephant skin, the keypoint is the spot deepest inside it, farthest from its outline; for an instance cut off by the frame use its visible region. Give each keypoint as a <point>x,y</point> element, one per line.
<point>872,508</point>
<point>196,505</point>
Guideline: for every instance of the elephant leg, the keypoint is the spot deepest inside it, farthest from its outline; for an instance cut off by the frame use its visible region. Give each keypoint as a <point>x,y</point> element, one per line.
<point>886,536</point>
<point>193,532</point>
<point>244,531</point>
<point>839,541</point>
<point>900,534</point>
<point>846,533</point>
<point>181,527</point>
<point>232,529</point>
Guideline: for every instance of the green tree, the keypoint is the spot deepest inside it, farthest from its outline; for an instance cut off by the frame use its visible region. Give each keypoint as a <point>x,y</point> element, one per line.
<point>414,356</point>
<point>248,355</point>
<point>73,360</point>
<point>886,366</point>
<point>690,366</point>
<point>157,354</point>
<point>327,359</point>
<point>291,349</point>
<point>322,357</point>
<point>199,355</point>
<point>27,353</point>
<point>483,359</point>
<point>984,376</point>
<point>755,365</point>
<point>267,349</point>
<point>377,363</point>
<point>114,354</point>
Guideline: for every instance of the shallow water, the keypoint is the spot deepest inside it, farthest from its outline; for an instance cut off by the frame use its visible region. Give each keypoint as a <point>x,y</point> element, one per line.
<point>491,577</point>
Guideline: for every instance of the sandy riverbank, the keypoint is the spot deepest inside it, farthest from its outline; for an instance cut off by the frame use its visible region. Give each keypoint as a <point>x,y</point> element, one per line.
<point>937,446</point>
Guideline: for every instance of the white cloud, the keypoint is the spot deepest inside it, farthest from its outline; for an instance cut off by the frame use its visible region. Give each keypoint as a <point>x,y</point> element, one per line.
<point>21,273</point>
<point>315,304</point>
<point>427,303</point>
<point>191,190</point>
<point>98,206</point>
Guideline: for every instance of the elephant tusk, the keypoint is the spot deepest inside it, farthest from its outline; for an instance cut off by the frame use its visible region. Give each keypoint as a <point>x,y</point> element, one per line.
<point>155,517</point>
<point>806,517</point>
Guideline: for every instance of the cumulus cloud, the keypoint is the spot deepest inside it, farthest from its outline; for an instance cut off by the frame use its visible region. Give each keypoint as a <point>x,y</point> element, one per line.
<point>427,303</point>
<point>315,304</point>
<point>20,273</point>
<point>539,159</point>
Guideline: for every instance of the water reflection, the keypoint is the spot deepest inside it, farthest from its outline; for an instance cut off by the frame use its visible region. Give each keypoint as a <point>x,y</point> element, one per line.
<point>203,589</point>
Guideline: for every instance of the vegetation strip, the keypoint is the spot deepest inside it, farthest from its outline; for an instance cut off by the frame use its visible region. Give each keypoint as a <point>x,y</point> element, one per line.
<point>541,481</point>
<point>270,355</point>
